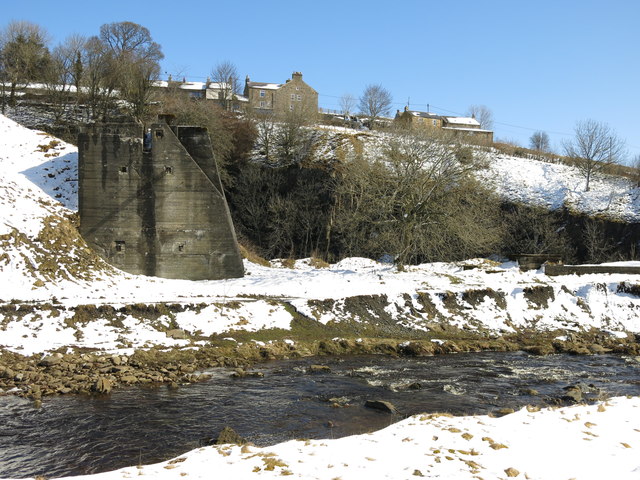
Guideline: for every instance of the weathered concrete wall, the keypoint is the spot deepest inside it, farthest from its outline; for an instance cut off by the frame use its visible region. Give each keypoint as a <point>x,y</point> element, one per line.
<point>555,270</point>
<point>161,213</point>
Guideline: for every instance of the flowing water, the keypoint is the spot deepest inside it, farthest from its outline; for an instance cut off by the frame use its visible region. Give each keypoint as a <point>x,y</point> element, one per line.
<point>72,435</point>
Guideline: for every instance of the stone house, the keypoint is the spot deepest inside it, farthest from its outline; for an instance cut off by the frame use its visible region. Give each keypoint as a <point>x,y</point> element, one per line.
<point>467,127</point>
<point>293,95</point>
<point>457,126</point>
<point>415,119</point>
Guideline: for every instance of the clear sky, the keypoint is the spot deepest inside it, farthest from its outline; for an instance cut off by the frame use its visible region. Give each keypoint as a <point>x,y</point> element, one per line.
<point>537,65</point>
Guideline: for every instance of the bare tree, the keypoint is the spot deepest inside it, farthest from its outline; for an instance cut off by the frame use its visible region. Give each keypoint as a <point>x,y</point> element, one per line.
<point>23,56</point>
<point>594,148</point>
<point>482,114</point>
<point>133,59</point>
<point>375,102</point>
<point>225,74</point>
<point>635,163</point>
<point>416,202</point>
<point>347,104</point>
<point>539,141</point>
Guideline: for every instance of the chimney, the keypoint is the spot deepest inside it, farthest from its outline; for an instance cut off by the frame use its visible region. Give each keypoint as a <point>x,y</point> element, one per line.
<point>296,76</point>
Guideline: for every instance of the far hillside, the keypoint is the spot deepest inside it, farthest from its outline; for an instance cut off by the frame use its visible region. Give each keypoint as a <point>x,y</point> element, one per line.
<point>299,188</point>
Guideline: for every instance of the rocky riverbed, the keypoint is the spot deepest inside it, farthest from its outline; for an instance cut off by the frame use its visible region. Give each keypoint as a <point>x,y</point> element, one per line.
<point>82,372</point>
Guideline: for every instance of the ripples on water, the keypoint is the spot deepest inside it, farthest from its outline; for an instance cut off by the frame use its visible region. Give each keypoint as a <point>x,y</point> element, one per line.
<point>74,435</point>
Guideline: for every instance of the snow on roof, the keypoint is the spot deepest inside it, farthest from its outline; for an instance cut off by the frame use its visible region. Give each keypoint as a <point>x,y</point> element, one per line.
<point>416,113</point>
<point>264,86</point>
<point>463,121</point>
<point>181,85</point>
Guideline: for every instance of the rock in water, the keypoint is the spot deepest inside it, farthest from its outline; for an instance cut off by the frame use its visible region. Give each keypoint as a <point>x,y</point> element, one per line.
<point>102,385</point>
<point>229,435</point>
<point>318,369</point>
<point>381,405</point>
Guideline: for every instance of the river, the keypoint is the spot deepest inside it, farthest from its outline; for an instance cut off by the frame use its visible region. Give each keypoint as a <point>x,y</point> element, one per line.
<point>73,435</point>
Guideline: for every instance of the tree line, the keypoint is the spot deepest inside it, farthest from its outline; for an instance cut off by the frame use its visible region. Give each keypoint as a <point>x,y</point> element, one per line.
<point>121,62</point>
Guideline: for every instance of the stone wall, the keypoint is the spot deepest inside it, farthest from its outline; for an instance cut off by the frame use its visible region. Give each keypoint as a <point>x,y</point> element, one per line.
<point>160,212</point>
<point>555,270</point>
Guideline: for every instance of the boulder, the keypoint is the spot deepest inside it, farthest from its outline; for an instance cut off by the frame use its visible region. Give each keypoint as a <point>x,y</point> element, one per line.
<point>381,405</point>
<point>49,361</point>
<point>572,394</point>
<point>229,435</point>
<point>102,385</point>
<point>177,334</point>
<point>318,369</point>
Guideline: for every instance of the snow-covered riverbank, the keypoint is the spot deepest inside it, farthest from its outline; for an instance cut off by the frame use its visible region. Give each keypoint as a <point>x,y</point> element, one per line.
<point>580,442</point>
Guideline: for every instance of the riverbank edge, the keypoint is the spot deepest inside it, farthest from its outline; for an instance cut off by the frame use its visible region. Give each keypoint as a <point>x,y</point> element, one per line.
<point>95,373</point>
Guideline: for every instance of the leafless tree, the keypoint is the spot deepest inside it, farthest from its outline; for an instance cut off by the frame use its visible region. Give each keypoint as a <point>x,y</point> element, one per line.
<point>594,148</point>
<point>375,102</point>
<point>635,163</point>
<point>97,79</point>
<point>416,202</point>
<point>599,246</point>
<point>266,127</point>
<point>133,59</point>
<point>482,114</point>
<point>225,74</point>
<point>539,141</point>
<point>347,103</point>
<point>23,56</point>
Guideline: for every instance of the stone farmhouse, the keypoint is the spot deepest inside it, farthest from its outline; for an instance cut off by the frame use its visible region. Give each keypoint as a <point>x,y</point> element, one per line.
<point>280,98</point>
<point>459,126</point>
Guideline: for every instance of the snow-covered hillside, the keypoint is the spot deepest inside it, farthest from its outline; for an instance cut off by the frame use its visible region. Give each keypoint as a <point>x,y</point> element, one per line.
<point>522,180</point>
<point>555,186</point>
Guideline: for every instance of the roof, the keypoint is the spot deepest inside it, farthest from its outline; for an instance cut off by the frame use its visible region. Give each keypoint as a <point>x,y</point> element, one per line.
<point>264,86</point>
<point>430,115</point>
<point>469,121</point>
<point>181,85</point>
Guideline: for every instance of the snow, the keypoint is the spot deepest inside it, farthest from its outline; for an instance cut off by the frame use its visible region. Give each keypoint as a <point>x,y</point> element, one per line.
<point>469,121</point>
<point>582,442</point>
<point>555,186</point>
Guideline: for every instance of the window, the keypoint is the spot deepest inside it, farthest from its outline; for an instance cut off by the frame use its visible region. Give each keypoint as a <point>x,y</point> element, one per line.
<point>159,133</point>
<point>262,93</point>
<point>291,107</point>
<point>181,247</point>
<point>168,170</point>
<point>299,97</point>
<point>293,97</point>
<point>124,169</point>
<point>263,104</point>
<point>435,123</point>
<point>119,246</point>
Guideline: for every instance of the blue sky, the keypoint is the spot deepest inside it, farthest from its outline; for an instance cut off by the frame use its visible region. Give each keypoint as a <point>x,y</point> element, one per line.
<point>540,65</point>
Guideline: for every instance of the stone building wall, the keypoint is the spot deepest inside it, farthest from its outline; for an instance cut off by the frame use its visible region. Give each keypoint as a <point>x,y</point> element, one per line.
<point>160,212</point>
